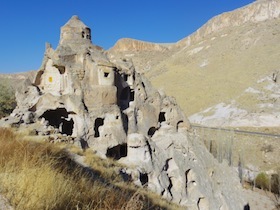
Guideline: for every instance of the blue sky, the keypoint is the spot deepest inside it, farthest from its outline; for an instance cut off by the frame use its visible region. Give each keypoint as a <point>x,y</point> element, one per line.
<point>27,24</point>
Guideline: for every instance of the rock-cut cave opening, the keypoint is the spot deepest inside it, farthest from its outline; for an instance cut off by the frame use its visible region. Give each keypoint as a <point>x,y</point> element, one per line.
<point>98,122</point>
<point>144,179</point>
<point>161,117</point>
<point>58,118</point>
<point>117,152</point>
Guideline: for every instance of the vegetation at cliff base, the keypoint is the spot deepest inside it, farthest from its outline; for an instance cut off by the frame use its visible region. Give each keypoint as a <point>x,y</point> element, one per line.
<point>40,175</point>
<point>7,99</point>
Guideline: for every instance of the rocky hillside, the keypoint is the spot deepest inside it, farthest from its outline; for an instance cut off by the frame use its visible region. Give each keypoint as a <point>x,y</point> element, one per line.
<point>256,12</point>
<point>145,55</point>
<point>126,44</point>
<point>221,60</point>
<point>15,80</point>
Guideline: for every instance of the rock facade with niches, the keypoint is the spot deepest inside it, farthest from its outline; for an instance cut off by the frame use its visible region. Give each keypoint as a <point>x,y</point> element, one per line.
<point>106,106</point>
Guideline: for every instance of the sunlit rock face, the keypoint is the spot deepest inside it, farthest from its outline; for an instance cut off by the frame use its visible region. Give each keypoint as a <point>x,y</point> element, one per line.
<point>256,12</point>
<point>105,106</point>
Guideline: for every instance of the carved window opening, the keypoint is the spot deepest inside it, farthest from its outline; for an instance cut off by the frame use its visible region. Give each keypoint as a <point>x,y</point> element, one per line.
<point>83,34</point>
<point>117,152</point>
<point>67,127</point>
<point>131,95</point>
<point>161,117</point>
<point>88,32</point>
<point>106,74</point>
<point>61,69</point>
<point>125,77</point>
<point>144,179</point>
<point>98,122</point>
<point>151,131</point>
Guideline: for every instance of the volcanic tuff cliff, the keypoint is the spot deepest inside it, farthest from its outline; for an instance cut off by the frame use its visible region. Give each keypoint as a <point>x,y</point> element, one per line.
<point>102,104</point>
<point>253,13</point>
<point>220,61</point>
<point>127,44</point>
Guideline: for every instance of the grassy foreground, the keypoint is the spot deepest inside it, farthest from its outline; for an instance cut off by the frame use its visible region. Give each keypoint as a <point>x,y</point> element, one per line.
<point>38,176</point>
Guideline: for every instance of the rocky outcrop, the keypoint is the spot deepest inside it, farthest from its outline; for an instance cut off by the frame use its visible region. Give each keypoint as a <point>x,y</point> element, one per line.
<point>126,44</point>
<point>256,12</point>
<point>104,105</point>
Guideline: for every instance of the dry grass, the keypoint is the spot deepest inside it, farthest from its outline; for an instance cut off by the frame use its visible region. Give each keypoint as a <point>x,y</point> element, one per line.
<point>259,152</point>
<point>230,68</point>
<point>43,176</point>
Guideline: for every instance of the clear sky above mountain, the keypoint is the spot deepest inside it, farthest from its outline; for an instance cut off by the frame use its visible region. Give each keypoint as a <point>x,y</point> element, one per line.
<point>27,24</point>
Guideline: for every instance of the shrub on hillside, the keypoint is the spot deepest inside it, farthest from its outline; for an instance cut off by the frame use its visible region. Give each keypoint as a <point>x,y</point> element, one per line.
<point>7,100</point>
<point>262,181</point>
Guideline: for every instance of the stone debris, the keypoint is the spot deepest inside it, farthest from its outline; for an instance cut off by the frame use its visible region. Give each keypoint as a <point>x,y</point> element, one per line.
<point>81,96</point>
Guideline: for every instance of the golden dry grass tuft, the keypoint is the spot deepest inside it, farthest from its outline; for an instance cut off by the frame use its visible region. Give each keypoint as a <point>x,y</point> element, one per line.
<point>37,175</point>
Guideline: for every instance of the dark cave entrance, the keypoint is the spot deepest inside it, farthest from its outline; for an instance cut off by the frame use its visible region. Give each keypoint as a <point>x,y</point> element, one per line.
<point>151,131</point>
<point>98,122</point>
<point>67,127</point>
<point>58,119</point>
<point>117,152</point>
<point>124,98</point>
<point>106,74</point>
<point>161,117</point>
<point>144,179</point>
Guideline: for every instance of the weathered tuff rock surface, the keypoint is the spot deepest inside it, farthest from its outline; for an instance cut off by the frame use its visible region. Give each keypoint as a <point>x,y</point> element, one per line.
<point>106,106</point>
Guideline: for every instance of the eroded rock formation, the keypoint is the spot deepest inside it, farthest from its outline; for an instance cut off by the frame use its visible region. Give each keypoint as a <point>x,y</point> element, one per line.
<point>106,106</point>
<point>255,12</point>
<point>127,44</point>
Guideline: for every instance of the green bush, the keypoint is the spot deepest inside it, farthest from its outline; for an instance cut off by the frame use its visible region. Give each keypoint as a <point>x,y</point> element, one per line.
<point>262,181</point>
<point>7,100</point>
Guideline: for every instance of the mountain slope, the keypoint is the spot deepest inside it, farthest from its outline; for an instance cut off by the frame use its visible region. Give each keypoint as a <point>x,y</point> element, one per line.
<point>220,67</point>
<point>221,60</point>
<point>145,55</point>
